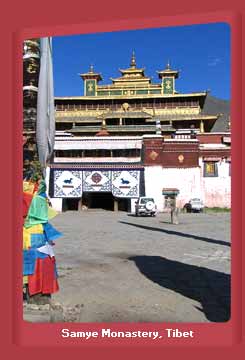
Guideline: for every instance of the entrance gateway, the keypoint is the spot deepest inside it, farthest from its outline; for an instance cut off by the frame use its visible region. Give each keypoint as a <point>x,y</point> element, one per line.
<point>97,200</point>
<point>96,188</point>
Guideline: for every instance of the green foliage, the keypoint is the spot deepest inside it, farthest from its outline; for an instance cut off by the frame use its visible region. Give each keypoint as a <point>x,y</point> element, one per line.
<point>32,170</point>
<point>217,209</point>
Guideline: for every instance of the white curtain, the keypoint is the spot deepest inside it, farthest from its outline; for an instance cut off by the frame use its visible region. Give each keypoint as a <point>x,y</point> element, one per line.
<point>45,127</point>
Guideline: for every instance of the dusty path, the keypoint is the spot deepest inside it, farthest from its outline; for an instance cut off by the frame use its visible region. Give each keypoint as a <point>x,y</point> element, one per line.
<point>122,268</point>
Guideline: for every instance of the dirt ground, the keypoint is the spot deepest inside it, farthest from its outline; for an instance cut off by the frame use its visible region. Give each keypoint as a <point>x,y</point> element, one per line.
<point>115,267</point>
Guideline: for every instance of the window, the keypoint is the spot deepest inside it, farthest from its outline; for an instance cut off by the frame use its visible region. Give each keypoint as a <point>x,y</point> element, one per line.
<point>145,200</point>
<point>229,163</point>
<point>210,169</point>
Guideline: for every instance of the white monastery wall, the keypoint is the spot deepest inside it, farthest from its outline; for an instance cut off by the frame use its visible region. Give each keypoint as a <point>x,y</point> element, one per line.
<point>217,190</point>
<point>56,203</point>
<point>186,180</point>
<point>154,185</point>
<point>214,191</point>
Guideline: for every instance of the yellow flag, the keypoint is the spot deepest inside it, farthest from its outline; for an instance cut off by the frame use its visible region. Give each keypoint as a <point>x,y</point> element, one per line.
<point>51,213</point>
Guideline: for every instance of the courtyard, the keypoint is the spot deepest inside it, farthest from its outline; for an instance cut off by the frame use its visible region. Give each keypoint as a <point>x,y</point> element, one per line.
<point>120,268</point>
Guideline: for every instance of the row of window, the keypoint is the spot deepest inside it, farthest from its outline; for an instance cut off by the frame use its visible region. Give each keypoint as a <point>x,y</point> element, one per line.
<point>97,153</point>
<point>116,106</point>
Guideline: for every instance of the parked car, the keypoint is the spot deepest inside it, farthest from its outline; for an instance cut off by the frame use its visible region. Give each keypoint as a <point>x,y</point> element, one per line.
<point>194,205</point>
<point>145,206</point>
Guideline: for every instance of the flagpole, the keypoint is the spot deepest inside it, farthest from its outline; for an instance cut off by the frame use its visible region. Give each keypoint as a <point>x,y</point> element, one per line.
<point>45,127</point>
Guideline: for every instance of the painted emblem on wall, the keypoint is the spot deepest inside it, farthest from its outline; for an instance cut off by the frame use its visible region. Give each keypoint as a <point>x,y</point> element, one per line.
<point>153,155</point>
<point>67,183</point>
<point>96,178</point>
<point>168,85</point>
<point>90,87</point>
<point>181,158</point>
<point>125,183</point>
<point>97,181</point>
<point>72,184</point>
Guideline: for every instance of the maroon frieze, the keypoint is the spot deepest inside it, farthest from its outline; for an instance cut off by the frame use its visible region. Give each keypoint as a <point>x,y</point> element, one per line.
<point>180,154</point>
<point>170,153</point>
<point>152,151</point>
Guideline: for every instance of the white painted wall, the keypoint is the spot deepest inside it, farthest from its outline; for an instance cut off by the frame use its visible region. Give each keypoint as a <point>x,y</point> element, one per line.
<point>56,203</point>
<point>133,201</point>
<point>214,191</point>
<point>217,190</point>
<point>186,180</point>
<point>154,185</point>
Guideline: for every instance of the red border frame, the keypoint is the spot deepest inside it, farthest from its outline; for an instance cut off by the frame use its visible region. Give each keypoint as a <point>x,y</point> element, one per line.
<point>29,21</point>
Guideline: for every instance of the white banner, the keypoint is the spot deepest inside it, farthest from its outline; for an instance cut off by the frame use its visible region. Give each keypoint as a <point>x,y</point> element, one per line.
<point>67,184</point>
<point>97,181</point>
<point>125,183</point>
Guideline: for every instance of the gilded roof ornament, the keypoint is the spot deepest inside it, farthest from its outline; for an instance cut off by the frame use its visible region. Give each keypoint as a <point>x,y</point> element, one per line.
<point>91,70</point>
<point>133,61</point>
<point>91,74</point>
<point>168,71</point>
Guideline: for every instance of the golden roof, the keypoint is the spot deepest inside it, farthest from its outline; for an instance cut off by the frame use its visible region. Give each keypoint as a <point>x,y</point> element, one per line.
<point>168,71</point>
<point>91,74</point>
<point>132,73</point>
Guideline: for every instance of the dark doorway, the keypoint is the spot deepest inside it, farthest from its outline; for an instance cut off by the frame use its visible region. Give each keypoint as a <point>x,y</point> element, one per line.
<point>123,204</point>
<point>98,200</point>
<point>70,204</point>
<point>105,201</point>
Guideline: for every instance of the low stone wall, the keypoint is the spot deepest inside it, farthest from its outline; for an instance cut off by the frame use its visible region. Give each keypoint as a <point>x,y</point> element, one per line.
<point>52,313</point>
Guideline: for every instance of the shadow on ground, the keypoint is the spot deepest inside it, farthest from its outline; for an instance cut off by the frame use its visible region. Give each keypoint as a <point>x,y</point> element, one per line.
<point>210,288</point>
<point>177,233</point>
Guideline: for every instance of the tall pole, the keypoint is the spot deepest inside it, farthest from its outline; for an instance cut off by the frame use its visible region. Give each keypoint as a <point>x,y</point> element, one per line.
<point>45,128</point>
<point>31,66</point>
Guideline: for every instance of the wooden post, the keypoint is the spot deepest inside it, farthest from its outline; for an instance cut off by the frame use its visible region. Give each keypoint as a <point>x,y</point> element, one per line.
<point>174,211</point>
<point>174,216</point>
<point>115,204</point>
<point>201,126</point>
<point>80,204</point>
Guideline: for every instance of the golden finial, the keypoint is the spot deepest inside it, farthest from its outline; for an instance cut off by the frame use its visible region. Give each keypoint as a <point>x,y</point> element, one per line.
<point>91,70</point>
<point>133,60</point>
<point>103,125</point>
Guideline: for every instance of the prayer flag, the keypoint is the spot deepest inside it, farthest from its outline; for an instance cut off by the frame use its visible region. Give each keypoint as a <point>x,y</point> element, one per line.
<point>45,127</point>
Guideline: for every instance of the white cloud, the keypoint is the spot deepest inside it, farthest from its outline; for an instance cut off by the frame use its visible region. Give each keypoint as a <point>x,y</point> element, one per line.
<point>214,61</point>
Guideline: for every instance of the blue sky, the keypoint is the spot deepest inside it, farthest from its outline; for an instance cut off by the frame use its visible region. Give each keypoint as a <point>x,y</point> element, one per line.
<point>200,52</point>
